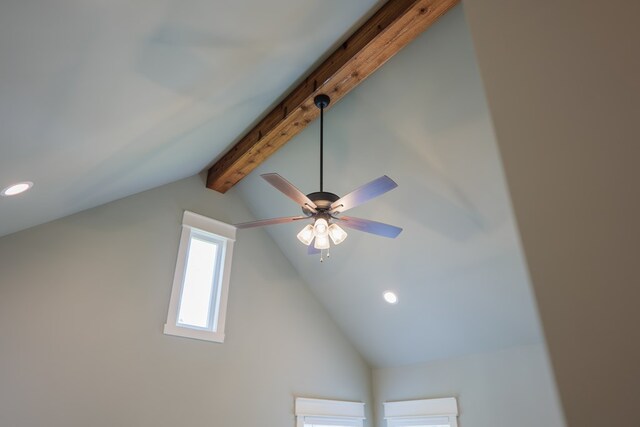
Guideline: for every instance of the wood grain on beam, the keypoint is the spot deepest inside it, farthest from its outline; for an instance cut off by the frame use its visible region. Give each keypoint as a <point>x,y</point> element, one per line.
<point>390,29</point>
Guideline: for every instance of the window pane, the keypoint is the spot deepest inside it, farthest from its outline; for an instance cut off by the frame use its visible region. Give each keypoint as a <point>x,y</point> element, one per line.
<point>198,283</point>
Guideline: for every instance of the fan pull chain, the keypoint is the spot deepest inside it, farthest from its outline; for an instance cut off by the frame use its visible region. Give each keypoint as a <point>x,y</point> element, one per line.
<point>322,257</point>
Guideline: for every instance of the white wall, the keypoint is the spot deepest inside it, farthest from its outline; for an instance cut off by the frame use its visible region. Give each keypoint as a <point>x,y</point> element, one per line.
<point>561,78</point>
<point>83,301</point>
<point>508,388</point>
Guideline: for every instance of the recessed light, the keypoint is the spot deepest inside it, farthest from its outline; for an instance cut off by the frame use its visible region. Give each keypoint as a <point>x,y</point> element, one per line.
<point>390,297</point>
<point>15,189</point>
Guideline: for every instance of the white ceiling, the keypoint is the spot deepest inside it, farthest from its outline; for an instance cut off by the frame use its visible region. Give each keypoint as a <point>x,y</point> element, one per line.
<point>100,100</point>
<point>103,99</point>
<point>457,267</point>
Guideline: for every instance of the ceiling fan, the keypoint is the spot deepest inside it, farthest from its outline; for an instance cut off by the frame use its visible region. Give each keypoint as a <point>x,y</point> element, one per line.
<point>325,209</point>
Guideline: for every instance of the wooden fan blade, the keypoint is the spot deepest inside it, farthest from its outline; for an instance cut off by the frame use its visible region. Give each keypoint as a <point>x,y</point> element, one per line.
<point>269,221</point>
<point>368,226</point>
<point>289,190</point>
<point>363,194</point>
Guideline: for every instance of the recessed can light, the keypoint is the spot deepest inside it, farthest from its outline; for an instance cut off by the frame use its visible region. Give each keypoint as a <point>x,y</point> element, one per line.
<point>15,189</point>
<point>390,297</point>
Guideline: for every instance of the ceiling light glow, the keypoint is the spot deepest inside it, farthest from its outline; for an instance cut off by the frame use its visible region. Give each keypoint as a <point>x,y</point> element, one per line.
<point>322,242</point>
<point>306,235</point>
<point>390,297</point>
<point>337,234</point>
<point>321,228</point>
<point>15,189</point>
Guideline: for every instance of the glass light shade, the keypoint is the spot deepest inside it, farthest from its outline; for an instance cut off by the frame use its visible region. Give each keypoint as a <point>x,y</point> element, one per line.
<point>321,228</point>
<point>322,242</point>
<point>337,234</point>
<point>306,235</point>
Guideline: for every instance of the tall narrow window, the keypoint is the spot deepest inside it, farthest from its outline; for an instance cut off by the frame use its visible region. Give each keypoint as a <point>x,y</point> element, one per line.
<point>201,281</point>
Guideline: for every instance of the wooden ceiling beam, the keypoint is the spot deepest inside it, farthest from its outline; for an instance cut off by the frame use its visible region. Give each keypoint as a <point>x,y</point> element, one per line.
<point>390,29</point>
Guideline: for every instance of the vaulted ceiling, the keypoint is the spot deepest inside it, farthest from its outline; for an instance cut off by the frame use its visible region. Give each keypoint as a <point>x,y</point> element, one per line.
<point>457,267</point>
<point>100,100</point>
<point>103,100</point>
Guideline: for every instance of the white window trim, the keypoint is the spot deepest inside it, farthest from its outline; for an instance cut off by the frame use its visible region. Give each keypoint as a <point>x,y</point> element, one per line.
<point>227,233</point>
<point>310,411</point>
<point>422,412</point>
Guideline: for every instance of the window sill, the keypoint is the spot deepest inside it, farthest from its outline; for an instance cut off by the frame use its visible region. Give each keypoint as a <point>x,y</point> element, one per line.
<point>193,333</point>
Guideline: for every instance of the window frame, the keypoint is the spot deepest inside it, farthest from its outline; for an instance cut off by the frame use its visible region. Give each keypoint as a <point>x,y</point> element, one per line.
<point>329,412</point>
<point>422,412</point>
<point>223,235</point>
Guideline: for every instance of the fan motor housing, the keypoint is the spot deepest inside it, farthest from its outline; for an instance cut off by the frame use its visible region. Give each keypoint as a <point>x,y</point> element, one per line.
<point>322,199</point>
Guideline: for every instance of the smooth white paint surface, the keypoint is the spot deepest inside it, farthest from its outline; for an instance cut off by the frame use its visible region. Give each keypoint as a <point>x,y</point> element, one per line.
<point>457,267</point>
<point>103,99</point>
<point>507,388</point>
<point>82,305</point>
<point>562,82</point>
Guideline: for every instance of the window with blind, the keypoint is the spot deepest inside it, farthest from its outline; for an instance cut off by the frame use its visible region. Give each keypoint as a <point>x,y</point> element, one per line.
<point>328,413</point>
<point>422,413</point>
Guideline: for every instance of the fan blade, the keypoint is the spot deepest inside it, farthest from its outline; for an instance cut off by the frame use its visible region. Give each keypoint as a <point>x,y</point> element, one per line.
<point>262,222</point>
<point>289,190</point>
<point>368,226</point>
<point>311,250</point>
<point>363,194</point>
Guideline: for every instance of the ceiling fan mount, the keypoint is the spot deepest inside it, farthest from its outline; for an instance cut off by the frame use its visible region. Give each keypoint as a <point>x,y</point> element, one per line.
<point>326,208</point>
<point>322,101</point>
<point>322,200</point>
